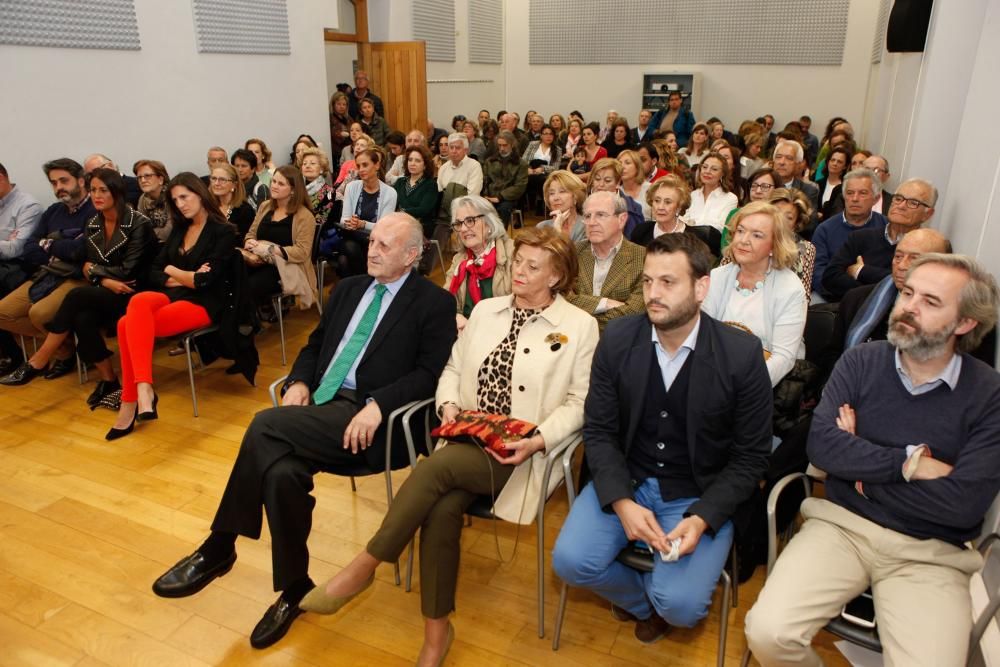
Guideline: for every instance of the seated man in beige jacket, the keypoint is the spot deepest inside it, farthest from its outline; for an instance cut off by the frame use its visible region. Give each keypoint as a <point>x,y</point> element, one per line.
<point>610,281</point>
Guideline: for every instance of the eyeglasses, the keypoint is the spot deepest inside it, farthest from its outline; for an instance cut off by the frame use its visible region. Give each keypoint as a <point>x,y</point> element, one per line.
<point>880,170</point>
<point>909,203</point>
<point>469,222</point>
<point>761,187</point>
<point>144,177</point>
<point>220,179</point>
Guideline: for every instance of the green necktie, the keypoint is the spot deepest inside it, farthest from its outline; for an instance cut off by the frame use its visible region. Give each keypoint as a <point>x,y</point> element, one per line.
<point>335,377</point>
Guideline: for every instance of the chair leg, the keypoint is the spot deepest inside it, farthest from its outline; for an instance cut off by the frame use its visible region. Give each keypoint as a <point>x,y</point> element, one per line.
<point>736,578</point>
<point>320,267</point>
<point>409,566</point>
<point>354,487</point>
<point>190,363</point>
<point>560,614</point>
<point>745,660</point>
<point>444,269</point>
<point>541,574</point>
<point>724,618</point>
<point>277,305</point>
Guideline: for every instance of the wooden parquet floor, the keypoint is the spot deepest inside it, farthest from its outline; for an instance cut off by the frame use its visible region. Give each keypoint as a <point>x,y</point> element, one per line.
<point>87,525</point>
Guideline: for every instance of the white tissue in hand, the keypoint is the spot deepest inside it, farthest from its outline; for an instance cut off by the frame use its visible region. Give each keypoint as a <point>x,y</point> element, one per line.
<point>674,553</point>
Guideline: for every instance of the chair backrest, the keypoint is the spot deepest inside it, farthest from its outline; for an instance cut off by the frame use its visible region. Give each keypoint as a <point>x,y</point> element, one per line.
<point>984,589</point>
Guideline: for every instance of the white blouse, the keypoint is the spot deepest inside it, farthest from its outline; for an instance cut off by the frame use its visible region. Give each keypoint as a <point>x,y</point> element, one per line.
<point>712,211</point>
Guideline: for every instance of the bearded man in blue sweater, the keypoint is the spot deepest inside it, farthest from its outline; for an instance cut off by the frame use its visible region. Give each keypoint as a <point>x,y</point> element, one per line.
<point>908,432</point>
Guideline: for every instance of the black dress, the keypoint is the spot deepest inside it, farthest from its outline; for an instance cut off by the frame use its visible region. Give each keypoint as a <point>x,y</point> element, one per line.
<point>264,280</point>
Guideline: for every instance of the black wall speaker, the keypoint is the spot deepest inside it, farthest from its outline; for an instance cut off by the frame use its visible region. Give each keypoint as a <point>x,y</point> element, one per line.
<point>908,21</point>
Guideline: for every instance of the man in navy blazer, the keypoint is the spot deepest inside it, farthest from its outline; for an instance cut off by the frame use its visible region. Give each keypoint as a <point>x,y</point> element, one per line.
<point>678,432</point>
<point>407,328</point>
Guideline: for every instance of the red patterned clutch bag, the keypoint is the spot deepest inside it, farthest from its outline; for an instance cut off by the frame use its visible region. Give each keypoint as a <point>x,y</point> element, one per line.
<point>486,430</point>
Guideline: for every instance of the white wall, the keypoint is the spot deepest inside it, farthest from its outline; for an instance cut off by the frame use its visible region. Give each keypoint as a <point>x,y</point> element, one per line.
<point>447,97</point>
<point>166,101</point>
<point>929,119</point>
<point>340,57</point>
<point>732,92</point>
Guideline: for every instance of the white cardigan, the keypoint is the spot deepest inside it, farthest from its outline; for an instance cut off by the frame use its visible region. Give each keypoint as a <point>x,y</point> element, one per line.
<point>386,202</point>
<point>784,317</point>
<point>548,387</point>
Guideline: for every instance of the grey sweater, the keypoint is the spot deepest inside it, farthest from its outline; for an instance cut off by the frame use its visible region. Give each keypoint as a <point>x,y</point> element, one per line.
<point>961,427</point>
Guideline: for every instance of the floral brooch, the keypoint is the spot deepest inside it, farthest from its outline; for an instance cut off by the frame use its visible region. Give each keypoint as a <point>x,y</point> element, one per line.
<point>556,340</point>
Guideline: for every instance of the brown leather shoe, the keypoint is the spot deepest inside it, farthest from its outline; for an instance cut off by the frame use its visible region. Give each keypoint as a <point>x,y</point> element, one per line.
<point>652,629</point>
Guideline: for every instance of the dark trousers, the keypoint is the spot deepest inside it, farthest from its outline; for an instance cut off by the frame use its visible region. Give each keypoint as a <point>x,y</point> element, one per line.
<point>281,451</point>
<point>354,245</point>
<point>264,283</point>
<point>534,192</point>
<point>86,311</point>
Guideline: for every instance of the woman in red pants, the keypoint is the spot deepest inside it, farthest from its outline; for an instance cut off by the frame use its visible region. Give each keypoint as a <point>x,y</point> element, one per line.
<point>189,275</point>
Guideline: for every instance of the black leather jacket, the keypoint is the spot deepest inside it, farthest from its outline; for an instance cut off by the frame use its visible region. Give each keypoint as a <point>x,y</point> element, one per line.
<point>126,256</point>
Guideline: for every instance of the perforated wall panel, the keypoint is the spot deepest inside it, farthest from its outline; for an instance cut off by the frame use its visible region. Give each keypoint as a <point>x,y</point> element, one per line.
<point>242,26</point>
<point>880,28</point>
<point>486,31</point>
<point>75,24</point>
<point>709,32</point>
<point>434,23</point>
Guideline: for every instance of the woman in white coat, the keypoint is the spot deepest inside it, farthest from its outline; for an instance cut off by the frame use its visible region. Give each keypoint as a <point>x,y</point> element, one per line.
<point>526,356</point>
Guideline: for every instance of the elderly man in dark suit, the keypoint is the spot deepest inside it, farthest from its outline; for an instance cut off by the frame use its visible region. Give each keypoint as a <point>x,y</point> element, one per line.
<point>678,431</point>
<point>383,341</point>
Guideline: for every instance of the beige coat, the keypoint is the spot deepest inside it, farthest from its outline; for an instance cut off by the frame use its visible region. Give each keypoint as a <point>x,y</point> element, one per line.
<point>303,235</point>
<point>501,276</point>
<point>548,387</point>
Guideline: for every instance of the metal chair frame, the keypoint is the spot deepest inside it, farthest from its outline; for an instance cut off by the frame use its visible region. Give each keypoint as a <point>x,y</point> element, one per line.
<point>554,456</point>
<point>404,412</point>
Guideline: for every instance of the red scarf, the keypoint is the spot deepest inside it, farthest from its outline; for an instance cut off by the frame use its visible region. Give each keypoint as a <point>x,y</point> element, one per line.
<point>475,270</point>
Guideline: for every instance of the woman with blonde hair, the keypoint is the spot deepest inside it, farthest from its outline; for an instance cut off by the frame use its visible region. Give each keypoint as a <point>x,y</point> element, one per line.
<point>634,183</point>
<point>758,290</point>
<point>227,187</point>
<point>564,193</point>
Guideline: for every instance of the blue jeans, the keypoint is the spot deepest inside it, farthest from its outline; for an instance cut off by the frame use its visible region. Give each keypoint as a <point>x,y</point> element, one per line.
<point>679,592</point>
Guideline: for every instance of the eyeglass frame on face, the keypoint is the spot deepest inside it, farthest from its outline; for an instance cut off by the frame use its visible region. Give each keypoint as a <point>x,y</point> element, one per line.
<point>143,177</point>
<point>220,179</point>
<point>909,203</point>
<point>880,170</point>
<point>761,187</point>
<point>468,222</point>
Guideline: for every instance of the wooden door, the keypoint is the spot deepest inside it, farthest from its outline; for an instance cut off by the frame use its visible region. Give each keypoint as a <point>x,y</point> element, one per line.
<point>397,72</point>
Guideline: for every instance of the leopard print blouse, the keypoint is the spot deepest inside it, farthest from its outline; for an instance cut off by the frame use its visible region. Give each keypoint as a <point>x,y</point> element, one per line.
<point>493,393</point>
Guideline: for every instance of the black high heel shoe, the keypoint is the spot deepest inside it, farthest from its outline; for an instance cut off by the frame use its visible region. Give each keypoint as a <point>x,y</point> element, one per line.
<point>116,433</point>
<point>149,415</point>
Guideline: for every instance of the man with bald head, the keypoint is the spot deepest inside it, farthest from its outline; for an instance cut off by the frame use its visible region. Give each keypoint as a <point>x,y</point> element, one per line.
<point>863,315</point>
<point>866,256</point>
<point>382,342</point>
<point>880,166</point>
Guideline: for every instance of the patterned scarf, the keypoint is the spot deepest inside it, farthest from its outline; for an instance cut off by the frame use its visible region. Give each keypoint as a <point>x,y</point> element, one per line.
<point>476,269</point>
